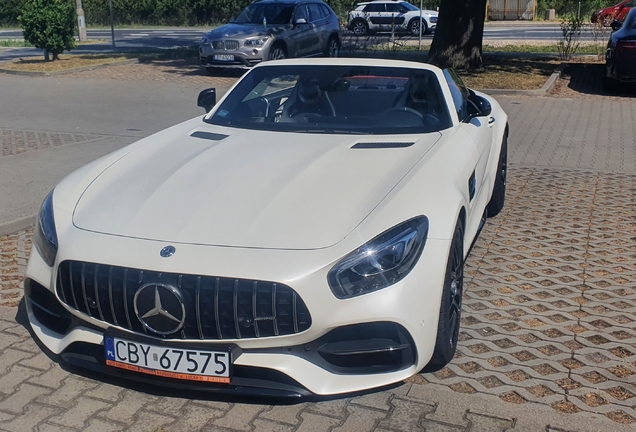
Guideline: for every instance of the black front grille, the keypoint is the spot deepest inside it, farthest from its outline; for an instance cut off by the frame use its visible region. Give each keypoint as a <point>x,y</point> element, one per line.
<point>216,308</point>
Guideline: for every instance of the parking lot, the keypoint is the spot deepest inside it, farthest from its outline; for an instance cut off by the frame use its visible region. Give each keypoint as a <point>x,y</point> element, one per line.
<point>549,319</point>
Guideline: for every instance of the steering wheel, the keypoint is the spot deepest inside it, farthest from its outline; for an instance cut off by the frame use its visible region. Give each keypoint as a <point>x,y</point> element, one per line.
<point>405,110</point>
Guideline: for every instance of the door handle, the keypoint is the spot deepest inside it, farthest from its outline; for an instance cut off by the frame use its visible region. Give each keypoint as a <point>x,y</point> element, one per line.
<point>491,121</point>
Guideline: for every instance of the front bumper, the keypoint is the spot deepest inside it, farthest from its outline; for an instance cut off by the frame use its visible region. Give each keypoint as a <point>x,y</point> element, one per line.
<point>282,366</point>
<point>243,58</point>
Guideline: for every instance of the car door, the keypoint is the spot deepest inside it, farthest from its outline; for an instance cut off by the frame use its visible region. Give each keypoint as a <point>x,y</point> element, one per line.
<point>319,21</point>
<point>480,130</point>
<point>395,11</point>
<point>375,14</point>
<point>303,34</point>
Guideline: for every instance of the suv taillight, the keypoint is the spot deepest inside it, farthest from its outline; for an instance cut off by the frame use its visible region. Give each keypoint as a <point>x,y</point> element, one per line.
<point>626,48</point>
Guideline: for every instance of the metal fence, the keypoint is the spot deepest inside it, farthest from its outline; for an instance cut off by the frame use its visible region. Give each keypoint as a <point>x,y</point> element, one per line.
<point>511,9</point>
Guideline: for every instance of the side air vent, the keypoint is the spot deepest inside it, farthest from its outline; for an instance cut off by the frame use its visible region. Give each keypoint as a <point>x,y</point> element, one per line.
<point>208,136</point>
<point>382,145</point>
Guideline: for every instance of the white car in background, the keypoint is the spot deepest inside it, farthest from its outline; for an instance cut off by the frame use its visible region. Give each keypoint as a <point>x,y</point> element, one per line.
<point>307,236</point>
<point>383,16</point>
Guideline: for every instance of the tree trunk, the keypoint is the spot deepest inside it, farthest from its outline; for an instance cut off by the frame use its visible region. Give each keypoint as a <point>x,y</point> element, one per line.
<point>459,34</point>
<point>46,55</point>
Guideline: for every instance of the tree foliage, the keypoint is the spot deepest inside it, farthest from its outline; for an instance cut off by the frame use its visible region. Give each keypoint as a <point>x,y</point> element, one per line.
<point>49,25</point>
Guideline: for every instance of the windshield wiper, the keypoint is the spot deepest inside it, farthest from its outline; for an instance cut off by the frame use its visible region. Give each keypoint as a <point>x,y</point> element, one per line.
<point>332,131</point>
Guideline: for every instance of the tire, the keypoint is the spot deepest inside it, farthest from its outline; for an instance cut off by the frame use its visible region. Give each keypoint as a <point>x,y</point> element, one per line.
<point>498,197</point>
<point>333,47</point>
<point>414,27</point>
<point>451,306</point>
<point>277,52</point>
<point>359,27</point>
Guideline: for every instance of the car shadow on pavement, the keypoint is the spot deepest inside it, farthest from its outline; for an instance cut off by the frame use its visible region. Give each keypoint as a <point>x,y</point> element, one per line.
<point>21,318</point>
<point>186,64</point>
<point>588,79</point>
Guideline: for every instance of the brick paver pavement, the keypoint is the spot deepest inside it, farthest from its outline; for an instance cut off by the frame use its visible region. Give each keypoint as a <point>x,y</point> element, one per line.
<point>548,340</point>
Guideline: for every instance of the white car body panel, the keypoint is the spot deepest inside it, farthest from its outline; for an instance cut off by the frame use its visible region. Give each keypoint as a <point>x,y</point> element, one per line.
<point>293,205</point>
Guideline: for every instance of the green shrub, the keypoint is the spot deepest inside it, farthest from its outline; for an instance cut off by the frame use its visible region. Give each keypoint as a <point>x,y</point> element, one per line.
<point>49,25</point>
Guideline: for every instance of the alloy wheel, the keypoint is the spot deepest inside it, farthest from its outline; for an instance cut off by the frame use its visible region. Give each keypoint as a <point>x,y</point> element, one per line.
<point>456,290</point>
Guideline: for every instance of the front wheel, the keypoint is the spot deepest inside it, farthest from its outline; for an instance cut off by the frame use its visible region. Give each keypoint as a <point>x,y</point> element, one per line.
<point>451,307</point>
<point>277,52</point>
<point>333,47</point>
<point>498,198</point>
<point>414,27</point>
<point>360,27</point>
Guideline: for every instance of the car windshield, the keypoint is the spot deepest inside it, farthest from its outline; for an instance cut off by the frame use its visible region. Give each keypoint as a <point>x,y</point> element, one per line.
<point>409,6</point>
<point>336,99</point>
<point>271,13</point>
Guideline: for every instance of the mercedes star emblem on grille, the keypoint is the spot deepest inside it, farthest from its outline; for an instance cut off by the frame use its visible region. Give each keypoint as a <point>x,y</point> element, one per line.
<point>159,307</point>
<point>168,251</point>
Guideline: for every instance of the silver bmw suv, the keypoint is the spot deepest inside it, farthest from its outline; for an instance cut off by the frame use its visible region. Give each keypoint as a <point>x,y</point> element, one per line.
<point>272,29</point>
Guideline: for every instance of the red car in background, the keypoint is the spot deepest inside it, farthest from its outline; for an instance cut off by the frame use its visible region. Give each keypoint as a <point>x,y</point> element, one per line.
<point>609,14</point>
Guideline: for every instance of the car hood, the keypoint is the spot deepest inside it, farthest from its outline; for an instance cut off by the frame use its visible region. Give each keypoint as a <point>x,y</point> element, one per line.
<point>241,31</point>
<point>250,189</point>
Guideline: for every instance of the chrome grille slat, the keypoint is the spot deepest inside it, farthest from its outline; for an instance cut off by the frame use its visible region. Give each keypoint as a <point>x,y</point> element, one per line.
<point>198,306</point>
<point>99,306</point>
<point>110,295</point>
<point>235,305</point>
<point>125,286</point>
<point>216,307</point>
<point>70,277</point>
<point>274,309</point>
<point>231,45</point>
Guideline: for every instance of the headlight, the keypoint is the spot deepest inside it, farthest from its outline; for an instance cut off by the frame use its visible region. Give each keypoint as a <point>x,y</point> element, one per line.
<point>45,237</point>
<point>381,262</point>
<point>204,40</point>
<point>256,42</point>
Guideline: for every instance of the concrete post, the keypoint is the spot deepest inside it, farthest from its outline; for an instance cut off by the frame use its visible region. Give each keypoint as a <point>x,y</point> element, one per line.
<point>81,23</point>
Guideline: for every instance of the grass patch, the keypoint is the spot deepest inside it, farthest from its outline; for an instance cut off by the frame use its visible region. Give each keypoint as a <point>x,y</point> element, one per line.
<point>540,49</point>
<point>65,61</point>
<point>70,61</point>
<point>515,74</point>
<point>20,43</point>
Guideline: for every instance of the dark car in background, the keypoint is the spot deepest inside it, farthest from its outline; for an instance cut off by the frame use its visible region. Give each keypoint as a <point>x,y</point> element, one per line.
<point>620,58</point>
<point>270,30</point>
<point>609,14</point>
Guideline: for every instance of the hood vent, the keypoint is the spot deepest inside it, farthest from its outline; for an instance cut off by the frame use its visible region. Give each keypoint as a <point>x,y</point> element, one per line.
<point>382,145</point>
<point>208,136</point>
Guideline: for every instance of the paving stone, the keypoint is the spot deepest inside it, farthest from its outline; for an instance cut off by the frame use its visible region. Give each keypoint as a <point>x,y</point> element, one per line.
<point>68,393</point>
<point>360,420</point>
<point>406,414</point>
<point>16,375</point>
<point>195,417</point>
<point>99,425</point>
<point>284,413</point>
<point>33,414</point>
<point>51,378</point>
<point>107,392</point>
<point>125,410</point>
<point>316,423</point>
<point>26,394</point>
<point>239,417</point>
<point>487,423</point>
<point>77,416</point>
<point>39,361</point>
<point>271,426</point>
<point>147,421</point>
<point>378,400</point>
<point>10,356</point>
<point>333,408</point>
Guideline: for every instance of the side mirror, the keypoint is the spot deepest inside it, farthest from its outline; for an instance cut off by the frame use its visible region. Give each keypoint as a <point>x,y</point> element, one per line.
<point>301,21</point>
<point>231,19</point>
<point>478,106</point>
<point>207,99</point>
<point>616,24</point>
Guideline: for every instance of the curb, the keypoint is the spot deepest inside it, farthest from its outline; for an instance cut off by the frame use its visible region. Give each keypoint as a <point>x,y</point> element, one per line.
<point>547,87</point>
<point>16,225</point>
<point>67,71</point>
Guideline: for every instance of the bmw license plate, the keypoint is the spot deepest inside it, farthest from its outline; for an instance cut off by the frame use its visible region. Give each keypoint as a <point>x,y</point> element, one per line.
<point>185,364</point>
<point>223,57</point>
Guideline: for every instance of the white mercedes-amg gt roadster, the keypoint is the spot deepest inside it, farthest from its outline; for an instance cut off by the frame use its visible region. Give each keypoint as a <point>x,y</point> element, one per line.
<point>307,236</point>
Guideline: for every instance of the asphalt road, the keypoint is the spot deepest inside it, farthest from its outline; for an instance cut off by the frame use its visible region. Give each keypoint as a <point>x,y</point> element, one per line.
<point>167,37</point>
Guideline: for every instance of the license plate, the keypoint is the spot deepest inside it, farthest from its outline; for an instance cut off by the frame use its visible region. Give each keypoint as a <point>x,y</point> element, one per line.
<point>184,364</point>
<point>223,57</point>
